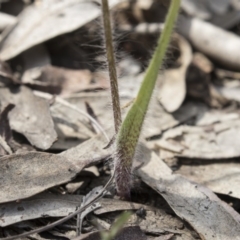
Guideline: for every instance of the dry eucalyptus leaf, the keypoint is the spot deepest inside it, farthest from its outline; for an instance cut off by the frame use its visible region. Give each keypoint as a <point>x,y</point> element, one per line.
<point>203,210</point>
<point>91,151</point>
<point>112,205</point>
<point>37,23</point>
<point>156,221</point>
<point>41,205</point>
<point>215,38</point>
<point>70,126</point>
<point>216,141</point>
<point>31,116</point>
<point>220,177</point>
<point>173,91</point>
<point>56,80</point>
<point>24,175</point>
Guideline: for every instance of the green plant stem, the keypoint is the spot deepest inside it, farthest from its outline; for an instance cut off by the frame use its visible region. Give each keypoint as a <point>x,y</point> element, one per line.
<point>111,64</point>
<point>129,132</point>
<point>116,227</point>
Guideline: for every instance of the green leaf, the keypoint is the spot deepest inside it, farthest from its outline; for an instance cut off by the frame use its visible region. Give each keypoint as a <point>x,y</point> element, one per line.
<point>116,227</point>
<point>130,130</point>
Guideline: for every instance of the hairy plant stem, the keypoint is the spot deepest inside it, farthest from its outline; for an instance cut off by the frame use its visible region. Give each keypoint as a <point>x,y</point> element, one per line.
<point>129,132</point>
<point>111,64</point>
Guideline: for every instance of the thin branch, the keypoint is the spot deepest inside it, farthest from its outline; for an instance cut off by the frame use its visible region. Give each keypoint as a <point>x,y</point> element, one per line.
<point>111,64</point>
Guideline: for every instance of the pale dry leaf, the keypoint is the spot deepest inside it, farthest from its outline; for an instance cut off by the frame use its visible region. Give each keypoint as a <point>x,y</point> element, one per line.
<point>37,23</point>
<point>6,20</point>
<point>220,177</point>
<point>50,205</point>
<point>215,38</point>
<point>157,120</point>
<point>173,91</point>
<point>55,80</point>
<point>216,141</point>
<point>31,116</point>
<point>156,220</point>
<point>212,116</point>
<point>24,175</point>
<point>90,151</point>
<point>72,128</point>
<point>197,205</point>
<point>112,205</point>
<point>41,205</point>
